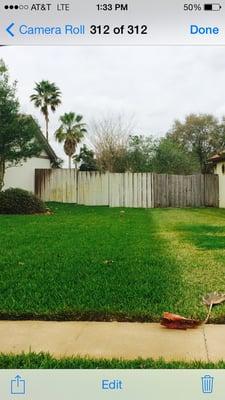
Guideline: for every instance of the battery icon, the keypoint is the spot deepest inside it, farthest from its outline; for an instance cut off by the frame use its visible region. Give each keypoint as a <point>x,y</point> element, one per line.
<point>212,7</point>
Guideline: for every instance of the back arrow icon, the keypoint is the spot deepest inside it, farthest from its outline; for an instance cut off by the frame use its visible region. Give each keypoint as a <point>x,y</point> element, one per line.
<point>8,30</point>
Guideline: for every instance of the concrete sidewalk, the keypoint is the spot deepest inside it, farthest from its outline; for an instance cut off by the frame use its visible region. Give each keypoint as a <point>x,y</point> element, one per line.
<point>113,340</point>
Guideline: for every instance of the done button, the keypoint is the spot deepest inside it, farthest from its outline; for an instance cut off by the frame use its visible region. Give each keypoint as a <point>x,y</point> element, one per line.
<point>204,30</point>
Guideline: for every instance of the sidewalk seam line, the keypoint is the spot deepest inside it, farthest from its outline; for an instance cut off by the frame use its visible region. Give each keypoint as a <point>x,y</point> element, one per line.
<point>80,333</point>
<point>206,347</point>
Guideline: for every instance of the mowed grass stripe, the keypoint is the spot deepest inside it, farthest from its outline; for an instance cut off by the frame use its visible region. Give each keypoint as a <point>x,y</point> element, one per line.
<point>197,241</point>
<point>85,263</point>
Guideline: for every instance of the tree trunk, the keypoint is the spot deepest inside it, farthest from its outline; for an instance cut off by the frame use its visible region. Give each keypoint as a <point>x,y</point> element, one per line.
<point>47,122</point>
<point>2,172</point>
<point>69,162</point>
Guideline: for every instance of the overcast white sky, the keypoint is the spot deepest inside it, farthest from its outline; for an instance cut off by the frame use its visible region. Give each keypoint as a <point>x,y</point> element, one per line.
<point>153,84</point>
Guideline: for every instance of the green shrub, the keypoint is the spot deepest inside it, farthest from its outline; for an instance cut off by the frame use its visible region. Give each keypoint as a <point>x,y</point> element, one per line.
<point>19,201</point>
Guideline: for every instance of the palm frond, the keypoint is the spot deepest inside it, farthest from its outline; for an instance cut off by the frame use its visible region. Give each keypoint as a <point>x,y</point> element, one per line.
<point>71,132</point>
<point>60,135</point>
<point>46,95</point>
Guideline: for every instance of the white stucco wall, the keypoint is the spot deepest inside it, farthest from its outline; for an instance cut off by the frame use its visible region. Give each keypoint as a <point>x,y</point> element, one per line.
<point>23,176</point>
<point>218,170</point>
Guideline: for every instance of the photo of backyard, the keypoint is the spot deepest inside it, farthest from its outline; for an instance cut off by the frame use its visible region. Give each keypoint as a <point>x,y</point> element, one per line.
<point>112,208</point>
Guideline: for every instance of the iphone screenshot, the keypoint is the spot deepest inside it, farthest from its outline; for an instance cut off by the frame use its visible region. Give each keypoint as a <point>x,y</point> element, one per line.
<point>112,200</point>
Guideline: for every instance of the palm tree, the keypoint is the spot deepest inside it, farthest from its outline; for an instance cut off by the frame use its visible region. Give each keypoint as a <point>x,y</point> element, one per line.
<point>47,95</point>
<point>71,132</point>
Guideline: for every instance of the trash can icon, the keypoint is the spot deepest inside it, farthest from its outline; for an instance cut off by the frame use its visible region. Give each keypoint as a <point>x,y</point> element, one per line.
<point>207,384</point>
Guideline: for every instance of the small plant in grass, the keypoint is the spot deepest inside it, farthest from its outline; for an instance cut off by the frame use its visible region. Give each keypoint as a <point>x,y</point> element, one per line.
<point>19,201</point>
<point>211,300</point>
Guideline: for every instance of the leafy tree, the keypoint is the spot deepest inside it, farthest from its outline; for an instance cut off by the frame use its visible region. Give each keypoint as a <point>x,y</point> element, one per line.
<point>71,132</point>
<point>141,150</point>
<point>114,161</point>
<point>47,96</point>
<point>199,135</point>
<point>171,158</point>
<point>18,132</point>
<point>87,159</point>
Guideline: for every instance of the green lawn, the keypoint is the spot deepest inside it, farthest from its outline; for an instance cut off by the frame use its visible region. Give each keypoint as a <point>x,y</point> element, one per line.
<point>46,361</point>
<point>96,263</point>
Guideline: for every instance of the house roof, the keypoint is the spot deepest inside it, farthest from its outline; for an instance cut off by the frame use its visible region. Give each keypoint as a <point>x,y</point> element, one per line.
<point>43,142</point>
<point>47,147</point>
<point>217,157</point>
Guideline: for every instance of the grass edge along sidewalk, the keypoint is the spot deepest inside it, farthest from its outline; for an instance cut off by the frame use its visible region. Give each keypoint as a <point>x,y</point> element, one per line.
<point>46,361</point>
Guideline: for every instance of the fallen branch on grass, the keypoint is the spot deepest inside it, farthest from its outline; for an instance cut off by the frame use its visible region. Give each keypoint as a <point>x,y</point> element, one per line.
<point>174,321</point>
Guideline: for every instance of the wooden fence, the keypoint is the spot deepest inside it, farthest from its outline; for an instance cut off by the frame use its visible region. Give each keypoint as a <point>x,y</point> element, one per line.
<point>141,190</point>
<point>186,191</point>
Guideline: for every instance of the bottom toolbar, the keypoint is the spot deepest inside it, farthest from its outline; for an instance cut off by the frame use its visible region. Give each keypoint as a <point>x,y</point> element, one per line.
<point>112,384</point>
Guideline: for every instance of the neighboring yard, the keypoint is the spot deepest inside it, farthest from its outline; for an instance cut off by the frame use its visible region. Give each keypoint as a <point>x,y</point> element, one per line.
<point>98,263</point>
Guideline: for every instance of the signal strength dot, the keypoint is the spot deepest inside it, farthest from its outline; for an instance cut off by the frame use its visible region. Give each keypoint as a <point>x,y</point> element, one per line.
<point>11,7</point>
